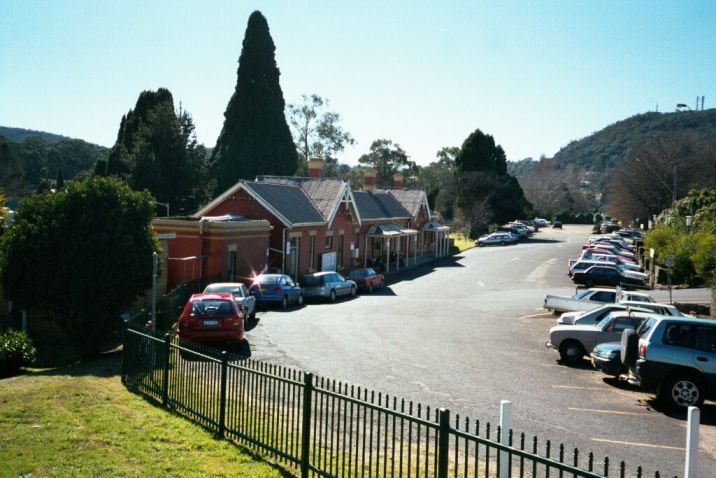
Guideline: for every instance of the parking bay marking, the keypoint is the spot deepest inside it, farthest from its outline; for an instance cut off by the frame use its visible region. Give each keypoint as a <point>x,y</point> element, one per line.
<point>647,445</point>
<point>613,412</point>
<point>579,388</point>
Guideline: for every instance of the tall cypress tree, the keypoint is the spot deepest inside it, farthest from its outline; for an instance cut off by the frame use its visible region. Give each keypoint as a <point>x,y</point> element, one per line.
<point>255,138</point>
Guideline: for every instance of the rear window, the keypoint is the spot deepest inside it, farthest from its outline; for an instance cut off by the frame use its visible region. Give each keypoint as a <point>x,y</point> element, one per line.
<point>312,281</point>
<point>267,279</point>
<point>358,273</point>
<point>705,338</point>
<point>211,307</point>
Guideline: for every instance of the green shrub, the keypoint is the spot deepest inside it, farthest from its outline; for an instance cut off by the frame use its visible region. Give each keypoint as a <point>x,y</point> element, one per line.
<point>16,350</point>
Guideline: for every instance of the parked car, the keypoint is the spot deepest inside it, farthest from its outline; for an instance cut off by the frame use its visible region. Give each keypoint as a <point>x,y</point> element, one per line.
<point>276,289</point>
<point>595,315</point>
<point>607,275</point>
<point>610,259</point>
<point>588,299</point>
<point>497,238</point>
<point>574,341</point>
<point>557,225</point>
<point>328,285</point>
<point>512,230</point>
<point>239,292</point>
<point>606,358</point>
<point>541,222</point>
<point>676,357</point>
<point>211,318</point>
<point>525,231</point>
<point>367,278</point>
<point>583,265</point>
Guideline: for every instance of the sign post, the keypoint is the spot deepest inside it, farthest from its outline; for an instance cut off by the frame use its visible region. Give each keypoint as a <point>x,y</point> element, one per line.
<point>669,264</point>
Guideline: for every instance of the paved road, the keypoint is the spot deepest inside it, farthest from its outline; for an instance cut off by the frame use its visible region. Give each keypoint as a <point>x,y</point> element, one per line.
<point>468,332</point>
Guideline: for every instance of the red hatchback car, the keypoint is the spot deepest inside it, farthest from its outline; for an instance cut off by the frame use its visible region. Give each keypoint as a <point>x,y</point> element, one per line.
<point>211,318</point>
<point>367,279</point>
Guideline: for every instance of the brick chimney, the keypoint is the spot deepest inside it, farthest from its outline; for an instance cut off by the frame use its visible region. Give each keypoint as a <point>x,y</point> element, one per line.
<point>398,180</point>
<point>369,180</point>
<point>315,167</point>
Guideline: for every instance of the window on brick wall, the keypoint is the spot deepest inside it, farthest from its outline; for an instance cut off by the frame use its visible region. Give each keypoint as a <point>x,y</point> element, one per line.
<point>339,260</point>
<point>312,253</point>
<point>329,242</point>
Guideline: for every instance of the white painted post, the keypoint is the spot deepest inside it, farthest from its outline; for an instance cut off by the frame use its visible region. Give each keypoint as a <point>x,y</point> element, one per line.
<point>24,321</point>
<point>691,469</point>
<point>505,427</point>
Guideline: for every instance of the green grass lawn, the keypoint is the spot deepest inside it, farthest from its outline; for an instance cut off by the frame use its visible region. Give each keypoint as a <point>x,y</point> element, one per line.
<point>462,242</point>
<point>81,421</point>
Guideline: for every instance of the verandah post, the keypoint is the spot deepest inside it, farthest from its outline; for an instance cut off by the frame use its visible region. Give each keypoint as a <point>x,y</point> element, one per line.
<point>443,442</point>
<point>306,423</point>
<point>165,372</point>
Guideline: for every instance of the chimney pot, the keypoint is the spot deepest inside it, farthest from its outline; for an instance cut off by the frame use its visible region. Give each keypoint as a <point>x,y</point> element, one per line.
<point>369,180</point>
<point>315,167</point>
<point>398,180</point>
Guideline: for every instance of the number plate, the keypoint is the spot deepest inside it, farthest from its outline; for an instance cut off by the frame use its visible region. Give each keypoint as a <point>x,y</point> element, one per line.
<point>264,290</point>
<point>211,323</point>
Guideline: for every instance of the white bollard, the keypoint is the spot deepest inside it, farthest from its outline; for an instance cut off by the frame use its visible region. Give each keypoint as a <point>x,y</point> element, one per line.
<point>505,427</point>
<point>691,470</point>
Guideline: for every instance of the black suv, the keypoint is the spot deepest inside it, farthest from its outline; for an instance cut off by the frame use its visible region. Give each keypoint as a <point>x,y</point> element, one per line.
<point>676,356</point>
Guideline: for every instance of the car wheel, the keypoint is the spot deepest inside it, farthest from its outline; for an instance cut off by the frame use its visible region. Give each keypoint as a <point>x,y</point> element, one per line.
<point>502,243</point>
<point>284,302</point>
<point>382,284</point>
<point>370,287</point>
<point>480,244</point>
<point>681,391</point>
<point>628,351</point>
<point>333,295</point>
<point>589,283</point>
<point>353,291</point>
<point>299,301</point>
<point>571,352</point>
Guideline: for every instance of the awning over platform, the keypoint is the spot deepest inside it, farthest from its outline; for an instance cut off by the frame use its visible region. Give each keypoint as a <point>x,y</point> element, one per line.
<point>435,226</point>
<point>390,230</point>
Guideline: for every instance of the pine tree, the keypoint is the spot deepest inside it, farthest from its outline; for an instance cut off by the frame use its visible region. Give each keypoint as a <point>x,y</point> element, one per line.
<point>156,149</point>
<point>255,138</point>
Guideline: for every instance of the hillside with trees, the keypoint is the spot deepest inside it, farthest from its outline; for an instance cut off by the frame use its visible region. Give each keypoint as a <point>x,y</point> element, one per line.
<point>583,169</point>
<point>36,160</point>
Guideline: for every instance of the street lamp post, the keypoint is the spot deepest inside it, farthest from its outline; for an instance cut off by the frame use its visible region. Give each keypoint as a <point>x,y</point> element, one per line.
<point>165,204</point>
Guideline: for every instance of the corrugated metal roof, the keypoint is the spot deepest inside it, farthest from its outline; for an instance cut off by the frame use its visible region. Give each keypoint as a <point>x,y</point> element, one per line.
<point>390,230</point>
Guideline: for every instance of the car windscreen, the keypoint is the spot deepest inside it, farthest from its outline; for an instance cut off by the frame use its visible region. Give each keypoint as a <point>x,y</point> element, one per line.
<point>267,279</point>
<point>231,289</point>
<point>358,273</point>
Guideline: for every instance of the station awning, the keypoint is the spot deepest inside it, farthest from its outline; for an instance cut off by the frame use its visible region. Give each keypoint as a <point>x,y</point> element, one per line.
<point>435,226</point>
<point>390,230</point>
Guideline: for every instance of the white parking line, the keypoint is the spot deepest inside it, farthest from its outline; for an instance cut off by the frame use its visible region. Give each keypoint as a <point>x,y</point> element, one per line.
<point>481,284</point>
<point>647,445</point>
<point>579,388</point>
<point>614,412</point>
<point>543,314</point>
<point>515,259</point>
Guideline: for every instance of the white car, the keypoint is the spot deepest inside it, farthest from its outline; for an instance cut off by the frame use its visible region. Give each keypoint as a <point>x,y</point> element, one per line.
<point>239,292</point>
<point>575,341</point>
<point>595,315</point>
<point>499,238</point>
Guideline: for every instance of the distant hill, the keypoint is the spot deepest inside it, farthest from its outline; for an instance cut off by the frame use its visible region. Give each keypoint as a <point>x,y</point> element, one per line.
<point>30,158</point>
<point>596,154</point>
<point>18,135</point>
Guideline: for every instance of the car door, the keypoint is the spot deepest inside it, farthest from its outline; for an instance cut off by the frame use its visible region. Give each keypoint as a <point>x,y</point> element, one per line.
<point>340,284</point>
<point>704,357</point>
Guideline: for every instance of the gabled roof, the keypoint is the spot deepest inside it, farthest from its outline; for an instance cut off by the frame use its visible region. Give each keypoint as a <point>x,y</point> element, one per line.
<point>410,199</point>
<point>379,205</point>
<point>327,194</point>
<point>287,202</point>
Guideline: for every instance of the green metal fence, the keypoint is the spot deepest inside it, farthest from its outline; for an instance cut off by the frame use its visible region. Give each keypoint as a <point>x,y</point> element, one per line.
<point>328,428</point>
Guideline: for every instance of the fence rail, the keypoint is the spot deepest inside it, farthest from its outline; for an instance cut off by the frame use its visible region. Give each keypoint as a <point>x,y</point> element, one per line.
<point>328,428</point>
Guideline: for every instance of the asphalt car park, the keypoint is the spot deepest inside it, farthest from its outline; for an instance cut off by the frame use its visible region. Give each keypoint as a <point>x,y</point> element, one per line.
<point>468,331</point>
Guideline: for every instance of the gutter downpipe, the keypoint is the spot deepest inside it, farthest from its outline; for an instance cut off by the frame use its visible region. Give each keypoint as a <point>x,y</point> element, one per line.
<point>283,252</point>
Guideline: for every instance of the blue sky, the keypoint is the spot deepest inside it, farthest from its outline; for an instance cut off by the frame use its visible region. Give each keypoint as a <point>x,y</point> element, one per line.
<point>534,74</point>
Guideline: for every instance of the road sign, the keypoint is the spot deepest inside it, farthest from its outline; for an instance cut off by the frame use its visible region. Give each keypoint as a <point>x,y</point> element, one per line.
<point>670,260</point>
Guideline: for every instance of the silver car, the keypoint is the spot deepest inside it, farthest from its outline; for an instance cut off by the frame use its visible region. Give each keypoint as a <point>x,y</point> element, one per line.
<point>240,293</point>
<point>328,285</point>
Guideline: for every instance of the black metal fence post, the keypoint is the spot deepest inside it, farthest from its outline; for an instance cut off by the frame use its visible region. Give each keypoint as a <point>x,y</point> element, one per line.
<point>222,398</point>
<point>306,423</point>
<point>443,442</point>
<point>165,372</point>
